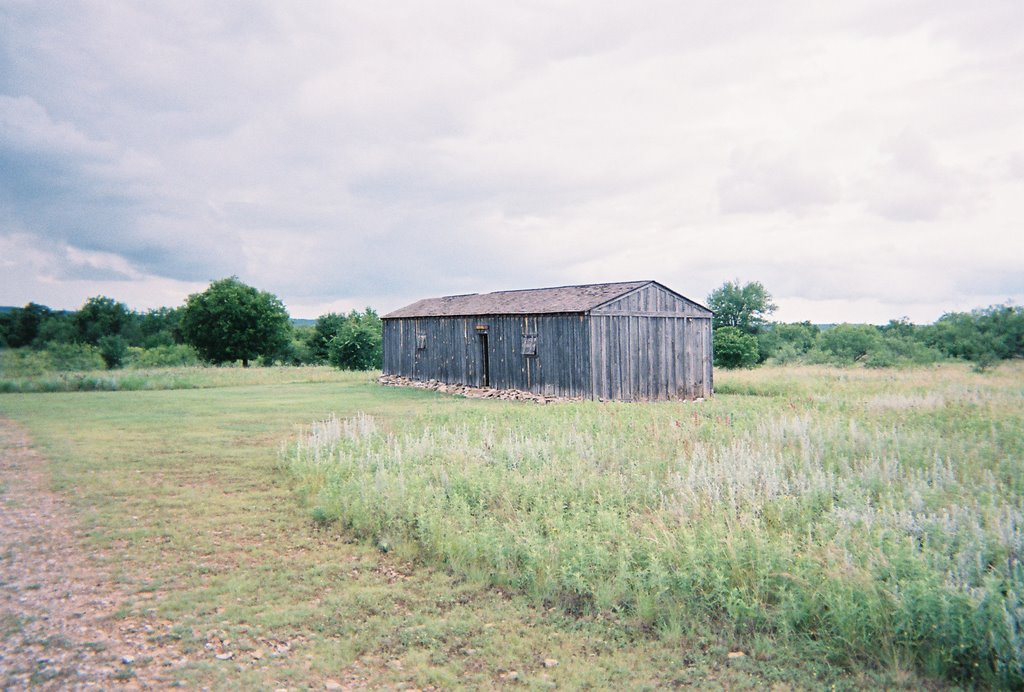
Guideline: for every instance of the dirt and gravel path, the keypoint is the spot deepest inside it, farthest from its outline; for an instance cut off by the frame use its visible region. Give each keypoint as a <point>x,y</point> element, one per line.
<point>58,623</point>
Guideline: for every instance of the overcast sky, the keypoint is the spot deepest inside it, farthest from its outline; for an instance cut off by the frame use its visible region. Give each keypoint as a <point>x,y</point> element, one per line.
<point>864,160</point>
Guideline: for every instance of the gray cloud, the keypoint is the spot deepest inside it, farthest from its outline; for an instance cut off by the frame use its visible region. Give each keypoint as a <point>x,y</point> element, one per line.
<point>912,185</point>
<point>760,180</point>
<point>337,153</point>
<point>70,189</point>
<point>56,178</point>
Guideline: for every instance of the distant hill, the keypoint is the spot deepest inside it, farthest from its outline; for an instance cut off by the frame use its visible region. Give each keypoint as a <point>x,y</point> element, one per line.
<point>6,308</point>
<point>301,322</point>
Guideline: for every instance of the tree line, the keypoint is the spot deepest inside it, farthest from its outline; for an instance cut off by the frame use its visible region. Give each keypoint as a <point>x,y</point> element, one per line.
<point>229,322</point>
<point>744,337</point>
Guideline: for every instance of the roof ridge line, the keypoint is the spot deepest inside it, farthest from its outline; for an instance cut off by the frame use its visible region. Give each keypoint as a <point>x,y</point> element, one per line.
<point>570,299</point>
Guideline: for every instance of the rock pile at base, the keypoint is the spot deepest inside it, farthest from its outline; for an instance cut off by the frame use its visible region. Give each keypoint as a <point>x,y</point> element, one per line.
<point>471,392</point>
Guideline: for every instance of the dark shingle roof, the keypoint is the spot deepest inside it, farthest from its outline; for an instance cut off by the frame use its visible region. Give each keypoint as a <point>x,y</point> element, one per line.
<point>530,301</point>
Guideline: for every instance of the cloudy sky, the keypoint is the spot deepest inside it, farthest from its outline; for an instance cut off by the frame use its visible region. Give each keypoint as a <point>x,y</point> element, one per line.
<point>863,159</point>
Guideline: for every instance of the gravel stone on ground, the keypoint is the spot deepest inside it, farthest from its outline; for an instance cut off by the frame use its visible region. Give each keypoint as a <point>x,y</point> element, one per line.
<point>58,606</point>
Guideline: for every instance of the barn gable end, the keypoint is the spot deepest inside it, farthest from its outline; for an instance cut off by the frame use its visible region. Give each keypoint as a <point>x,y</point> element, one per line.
<point>630,341</point>
<point>652,299</point>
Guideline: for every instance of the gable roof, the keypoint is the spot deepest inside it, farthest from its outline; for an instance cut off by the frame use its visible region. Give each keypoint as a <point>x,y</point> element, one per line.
<point>561,299</point>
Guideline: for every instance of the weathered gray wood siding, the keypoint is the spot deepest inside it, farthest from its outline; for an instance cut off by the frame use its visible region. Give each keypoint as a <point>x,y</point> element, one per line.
<point>456,362</point>
<point>649,345</point>
<point>652,300</point>
<point>452,351</point>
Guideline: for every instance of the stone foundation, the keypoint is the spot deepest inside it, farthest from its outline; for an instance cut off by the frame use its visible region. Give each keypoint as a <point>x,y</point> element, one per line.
<point>470,392</point>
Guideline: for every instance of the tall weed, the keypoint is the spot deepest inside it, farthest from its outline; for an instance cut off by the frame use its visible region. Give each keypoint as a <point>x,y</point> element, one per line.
<point>877,516</point>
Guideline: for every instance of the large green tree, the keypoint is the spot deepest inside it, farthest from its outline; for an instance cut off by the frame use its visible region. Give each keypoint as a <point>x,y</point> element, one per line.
<point>231,321</point>
<point>108,324</point>
<point>745,307</point>
<point>102,317</point>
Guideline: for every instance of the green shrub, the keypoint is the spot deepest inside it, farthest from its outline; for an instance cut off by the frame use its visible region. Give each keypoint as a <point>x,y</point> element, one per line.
<point>358,345</point>
<point>23,362</point>
<point>113,349</point>
<point>846,344</point>
<point>786,342</point>
<point>171,356</point>
<point>734,349</point>
<point>74,357</point>
<point>881,357</point>
<point>907,349</point>
<point>982,336</point>
<point>783,354</point>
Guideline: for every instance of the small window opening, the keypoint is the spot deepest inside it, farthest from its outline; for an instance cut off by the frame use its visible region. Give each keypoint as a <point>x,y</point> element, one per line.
<point>529,344</point>
<point>421,342</point>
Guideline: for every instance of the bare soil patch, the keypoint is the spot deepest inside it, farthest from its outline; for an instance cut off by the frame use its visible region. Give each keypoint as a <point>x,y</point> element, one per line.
<point>59,623</point>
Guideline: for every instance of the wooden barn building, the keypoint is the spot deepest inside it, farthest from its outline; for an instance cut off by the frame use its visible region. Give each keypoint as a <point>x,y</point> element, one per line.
<point>630,341</point>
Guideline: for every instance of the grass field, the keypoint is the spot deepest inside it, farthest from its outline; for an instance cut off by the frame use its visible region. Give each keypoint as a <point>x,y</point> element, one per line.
<point>856,528</point>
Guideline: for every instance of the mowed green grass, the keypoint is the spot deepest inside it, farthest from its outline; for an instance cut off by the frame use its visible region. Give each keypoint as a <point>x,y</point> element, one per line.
<point>191,505</point>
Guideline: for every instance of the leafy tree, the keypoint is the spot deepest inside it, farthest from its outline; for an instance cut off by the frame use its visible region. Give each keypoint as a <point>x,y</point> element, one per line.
<point>902,328</point>
<point>292,351</point>
<point>113,349</point>
<point>902,342</point>
<point>299,348</point>
<point>57,328</point>
<point>734,348</point>
<point>982,336</point>
<point>326,328</point>
<point>21,325</point>
<point>231,321</point>
<point>160,327</point>
<point>358,344</point>
<point>803,335</point>
<point>744,307</point>
<point>849,343</point>
<point>102,316</point>
<point>1010,321</point>
<point>786,341</point>
<point>957,335</point>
